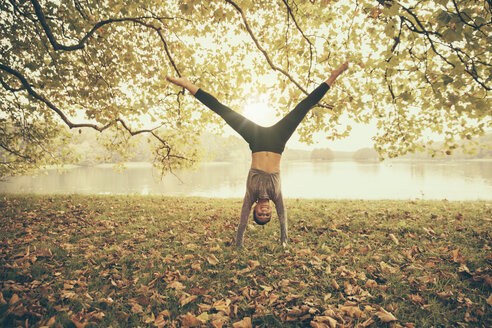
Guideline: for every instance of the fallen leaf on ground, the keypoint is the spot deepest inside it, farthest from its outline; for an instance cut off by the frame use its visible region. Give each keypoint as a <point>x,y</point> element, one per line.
<point>212,259</point>
<point>136,308</point>
<point>176,285</point>
<point>351,310</point>
<point>245,323</point>
<point>416,299</point>
<point>394,239</point>
<point>196,266</point>
<point>161,321</point>
<point>253,264</point>
<point>14,299</point>
<point>326,320</point>
<point>458,257</point>
<point>367,323</point>
<point>223,305</point>
<point>187,299</point>
<point>218,321</point>
<point>190,320</point>
<point>385,316</point>
<point>203,317</point>
<point>303,252</point>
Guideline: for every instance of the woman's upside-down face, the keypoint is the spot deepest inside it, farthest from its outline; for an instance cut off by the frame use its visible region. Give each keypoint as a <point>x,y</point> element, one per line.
<point>262,211</point>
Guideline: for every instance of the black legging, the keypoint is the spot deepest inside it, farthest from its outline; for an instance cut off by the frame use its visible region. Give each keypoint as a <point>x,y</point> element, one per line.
<point>259,138</point>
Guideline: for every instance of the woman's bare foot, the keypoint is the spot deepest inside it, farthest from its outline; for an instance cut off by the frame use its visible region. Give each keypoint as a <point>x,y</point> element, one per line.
<point>180,81</point>
<point>183,82</point>
<point>336,73</point>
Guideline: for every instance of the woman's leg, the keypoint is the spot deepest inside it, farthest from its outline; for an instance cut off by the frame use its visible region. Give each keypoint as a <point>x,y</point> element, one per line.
<point>239,123</point>
<point>246,128</point>
<point>287,125</point>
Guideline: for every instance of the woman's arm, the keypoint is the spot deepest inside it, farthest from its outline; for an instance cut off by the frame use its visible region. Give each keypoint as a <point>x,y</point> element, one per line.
<point>243,221</point>
<point>282,219</point>
<point>183,82</point>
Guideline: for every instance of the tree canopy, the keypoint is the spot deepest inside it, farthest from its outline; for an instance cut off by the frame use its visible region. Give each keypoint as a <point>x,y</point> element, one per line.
<point>418,67</point>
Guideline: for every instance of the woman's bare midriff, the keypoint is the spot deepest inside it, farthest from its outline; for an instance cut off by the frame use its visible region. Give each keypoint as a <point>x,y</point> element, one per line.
<point>266,161</point>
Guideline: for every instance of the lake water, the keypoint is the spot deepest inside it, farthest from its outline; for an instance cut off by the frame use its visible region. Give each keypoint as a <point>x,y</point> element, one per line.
<point>459,180</point>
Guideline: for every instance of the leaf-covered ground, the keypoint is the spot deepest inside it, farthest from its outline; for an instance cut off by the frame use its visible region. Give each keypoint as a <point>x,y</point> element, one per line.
<point>129,261</point>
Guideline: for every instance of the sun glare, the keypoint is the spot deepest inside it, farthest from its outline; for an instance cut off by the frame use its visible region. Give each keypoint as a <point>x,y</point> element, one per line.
<point>260,113</point>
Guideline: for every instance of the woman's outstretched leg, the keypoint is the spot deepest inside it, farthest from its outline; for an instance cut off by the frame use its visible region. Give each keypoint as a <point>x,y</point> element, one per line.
<point>287,125</point>
<point>246,128</point>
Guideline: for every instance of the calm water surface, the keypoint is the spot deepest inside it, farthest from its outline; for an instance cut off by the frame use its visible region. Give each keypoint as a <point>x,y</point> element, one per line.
<point>460,180</point>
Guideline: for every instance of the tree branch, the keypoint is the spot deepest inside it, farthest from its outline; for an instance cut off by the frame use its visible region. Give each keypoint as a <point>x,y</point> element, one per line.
<point>72,125</point>
<point>58,46</point>
<point>428,34</point>
<point>8,87</point>
<point>37,96</point>
<point>424,32</point>
<point>476,27</point>
<point>263,51</point>
<point>16,153</point>
<point>265,54</point>
<point>289,10</point>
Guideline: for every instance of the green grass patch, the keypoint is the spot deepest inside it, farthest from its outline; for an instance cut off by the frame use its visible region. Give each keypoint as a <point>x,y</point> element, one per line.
<point>126,261</point>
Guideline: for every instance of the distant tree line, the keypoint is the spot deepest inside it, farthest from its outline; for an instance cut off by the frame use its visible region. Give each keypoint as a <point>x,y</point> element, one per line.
<point>87,145</point>
<point>322,154</point>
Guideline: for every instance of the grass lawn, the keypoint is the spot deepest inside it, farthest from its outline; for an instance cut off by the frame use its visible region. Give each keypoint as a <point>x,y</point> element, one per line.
<point>127,261</point>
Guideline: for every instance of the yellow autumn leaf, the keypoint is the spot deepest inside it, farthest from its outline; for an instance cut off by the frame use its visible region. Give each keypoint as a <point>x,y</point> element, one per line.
<point>187,299</point>
<point>332,322</point>
<point>190,320</point>
<point>150,318</point>
<point>137,308</point>
<point>316,324</point>
<point>364,249</point>
<point>367,323</point>
<point>160,321</point>
<point>14,299</point>
<point>325,320</point>
<point>196,266</point>
<point>245,323</point>
<point>203,317</point>
<point>212,259</point>
<point>458,257</point>
<point>416,299</point>
<point>176,285</point>
<point>253,264</point>
<point>218,321</point>
<point>393,238</point>
<point>303,252</point>
<point>51,322</point>
<point>370,283</point>
<point>223,305</point>
<point>385,316</point>
<point>352,310</point>
<point>215,249</point>
<point>386,268</point>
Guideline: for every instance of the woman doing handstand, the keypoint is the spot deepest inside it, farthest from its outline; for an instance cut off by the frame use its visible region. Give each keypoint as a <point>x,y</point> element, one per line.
<point>267,145</point>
